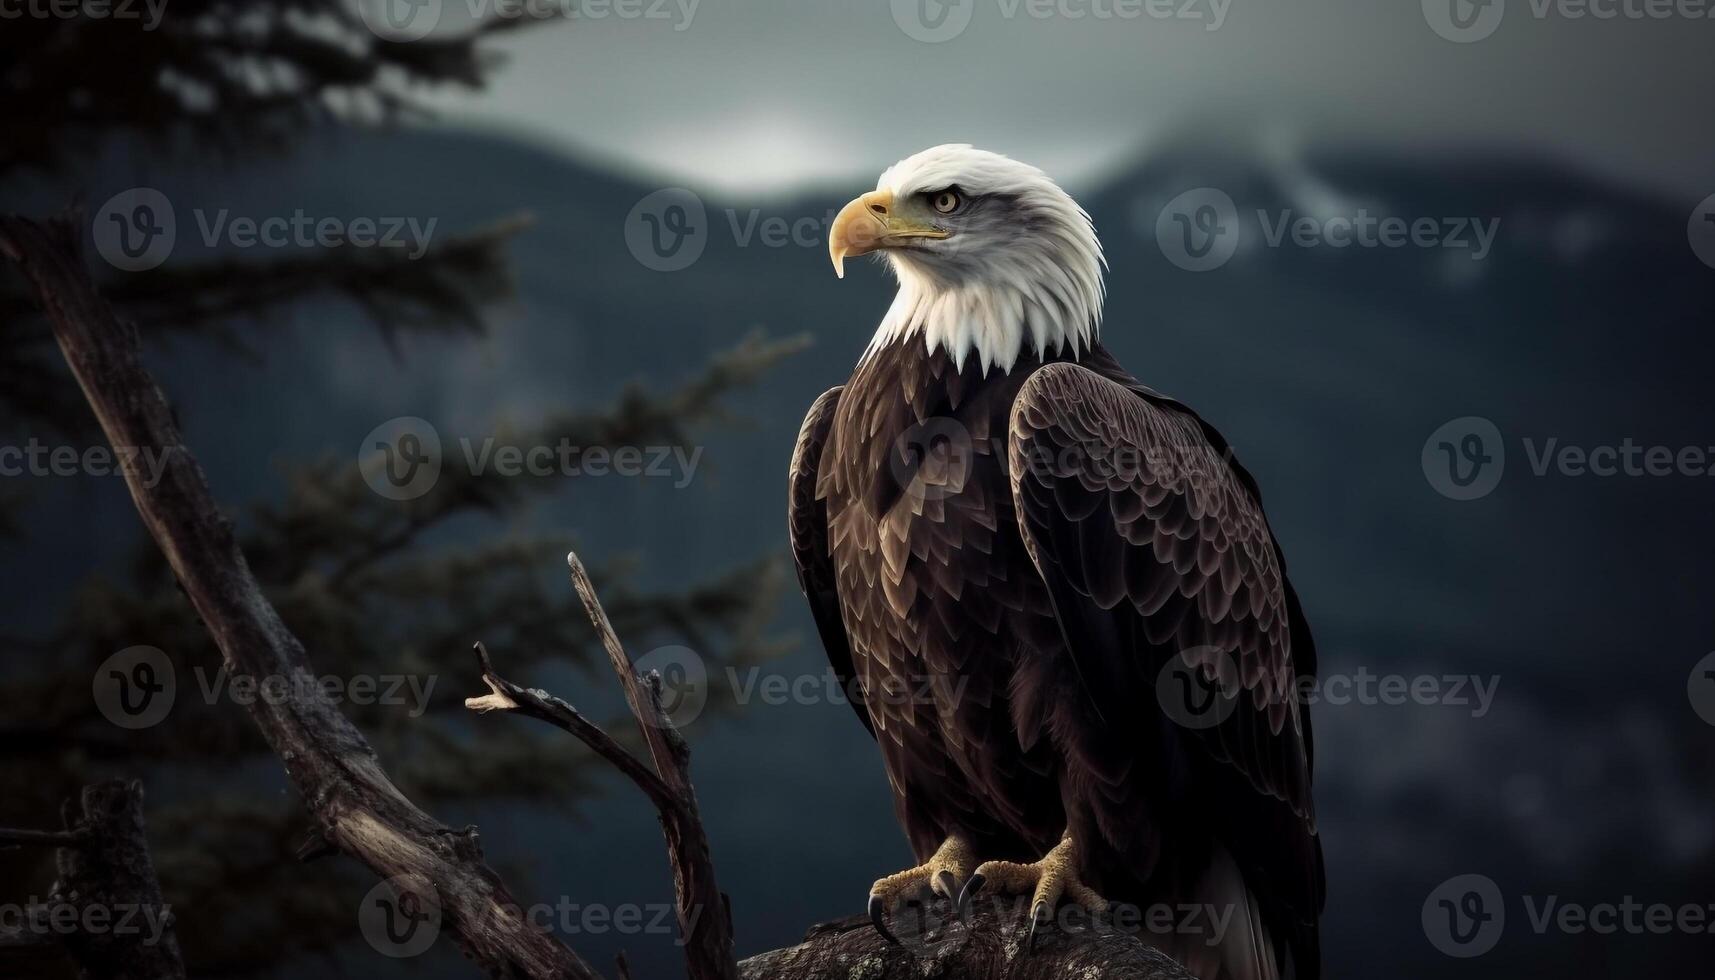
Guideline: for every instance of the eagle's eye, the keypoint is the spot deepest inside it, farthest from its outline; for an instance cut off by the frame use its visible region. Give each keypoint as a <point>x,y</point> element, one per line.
<point>946,202</point>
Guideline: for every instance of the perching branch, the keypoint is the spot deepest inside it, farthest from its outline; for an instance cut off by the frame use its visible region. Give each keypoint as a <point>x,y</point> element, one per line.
<point>355,804</point>
<point>703,916</point>
<point>988,945</point>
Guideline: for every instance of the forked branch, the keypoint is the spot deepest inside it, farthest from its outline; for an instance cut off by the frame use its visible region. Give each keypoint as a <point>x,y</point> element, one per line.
<point>704,920</point>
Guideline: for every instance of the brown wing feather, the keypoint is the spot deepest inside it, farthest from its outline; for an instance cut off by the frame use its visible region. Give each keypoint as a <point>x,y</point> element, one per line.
<point>807,530</point>
<point>1154,545</point>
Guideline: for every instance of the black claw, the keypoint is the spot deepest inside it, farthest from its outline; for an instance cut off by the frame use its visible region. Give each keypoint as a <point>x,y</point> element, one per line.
<point>1038,915</point>
<point>970,890</point>
<point>949,885</point>
<point>878,915</point>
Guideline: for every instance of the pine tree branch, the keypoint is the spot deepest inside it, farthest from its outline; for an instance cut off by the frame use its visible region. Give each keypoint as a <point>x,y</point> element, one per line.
<point>443,289</point>
<point>222,77</point>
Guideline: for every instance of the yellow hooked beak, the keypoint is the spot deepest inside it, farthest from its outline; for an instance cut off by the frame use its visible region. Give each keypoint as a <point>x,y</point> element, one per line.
<point>872,222</point>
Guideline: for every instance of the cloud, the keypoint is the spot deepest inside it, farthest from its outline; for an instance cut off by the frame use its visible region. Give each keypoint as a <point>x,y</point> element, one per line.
<point>755,96</point>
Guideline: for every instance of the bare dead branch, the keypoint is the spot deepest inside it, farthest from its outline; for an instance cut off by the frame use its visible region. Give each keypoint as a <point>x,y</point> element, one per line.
<point>989,944</point>
<point>704,919</point>
<point>331,764</point>
<point>507,696</point>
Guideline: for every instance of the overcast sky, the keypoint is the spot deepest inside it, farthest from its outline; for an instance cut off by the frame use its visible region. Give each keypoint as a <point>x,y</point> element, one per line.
<point>761,94</point>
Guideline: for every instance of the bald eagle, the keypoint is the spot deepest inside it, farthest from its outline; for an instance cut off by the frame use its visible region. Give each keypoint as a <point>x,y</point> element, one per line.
<point>1009,546</point>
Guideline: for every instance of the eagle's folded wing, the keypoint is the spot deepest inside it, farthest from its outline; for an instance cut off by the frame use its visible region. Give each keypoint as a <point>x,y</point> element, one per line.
<point>807,530</point>
<point>1154,546</point>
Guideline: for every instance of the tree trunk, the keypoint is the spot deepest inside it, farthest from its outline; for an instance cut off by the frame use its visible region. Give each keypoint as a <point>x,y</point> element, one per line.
<point>111,873</point>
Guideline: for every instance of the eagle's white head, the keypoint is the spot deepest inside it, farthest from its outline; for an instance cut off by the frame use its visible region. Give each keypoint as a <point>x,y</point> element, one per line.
<point>993,258</point>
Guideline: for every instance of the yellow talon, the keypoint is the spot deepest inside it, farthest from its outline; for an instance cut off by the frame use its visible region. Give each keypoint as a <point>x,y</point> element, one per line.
<point>944,874</point>
<point>1047,881</point>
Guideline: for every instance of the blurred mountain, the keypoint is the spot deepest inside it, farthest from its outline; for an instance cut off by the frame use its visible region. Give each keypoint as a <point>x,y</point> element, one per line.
<point>1584,598</point>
